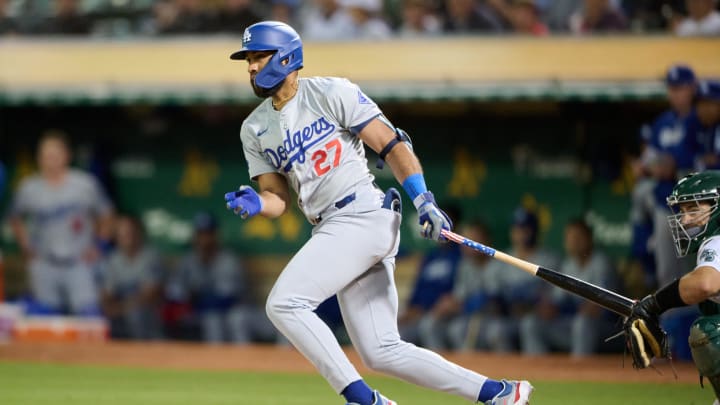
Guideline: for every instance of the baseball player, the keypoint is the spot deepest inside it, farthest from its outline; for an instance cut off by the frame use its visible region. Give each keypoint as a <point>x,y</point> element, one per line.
<point>58,216</point>
<point>308,135</point>
<point>695,227</point>
<point>670,148</point>
<point>708,110</point>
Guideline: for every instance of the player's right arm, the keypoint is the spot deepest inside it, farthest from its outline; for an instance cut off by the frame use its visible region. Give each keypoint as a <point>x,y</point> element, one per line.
<point>274,194</point>
<point>699,285</point>
<point>271,201</point>
<point>272,197</point>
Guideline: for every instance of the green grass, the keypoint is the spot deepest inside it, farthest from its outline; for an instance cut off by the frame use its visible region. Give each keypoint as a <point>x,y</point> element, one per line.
<point>28,384</point>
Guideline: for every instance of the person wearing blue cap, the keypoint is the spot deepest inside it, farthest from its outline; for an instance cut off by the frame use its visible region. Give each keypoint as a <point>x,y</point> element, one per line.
<point>708,110</point>
<point>669,149</point>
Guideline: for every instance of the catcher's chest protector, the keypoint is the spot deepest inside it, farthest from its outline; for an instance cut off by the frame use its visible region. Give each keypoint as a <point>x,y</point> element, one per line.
<point>704,344</point>
<point>708,307</point>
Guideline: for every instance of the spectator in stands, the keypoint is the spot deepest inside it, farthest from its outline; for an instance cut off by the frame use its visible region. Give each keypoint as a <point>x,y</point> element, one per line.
<point>66,20</point>
<point>670,149</point>
<point>521,16</point>
<point>434,280</point>
<point>418,19</point>
<point>366,21</point>
<point>234,16</point>
<point>325,20</point>
<point>702,20</point>
<point>708,111</point>
<point>131,281</point>
<point>466,16</point>
<point>8,25</point>
<point>61,219</point>
<point>217,286</point>
<point>182,17</point>
<point>646,16</point>
<point>597,16</point>
<point>518,290</point>
<point>562,321</point>
<point>524,16</point>
<point>557,13</point>
<point>285,11</point>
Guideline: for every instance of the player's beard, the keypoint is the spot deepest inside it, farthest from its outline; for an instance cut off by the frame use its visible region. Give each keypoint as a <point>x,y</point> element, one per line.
<point>263,92</point>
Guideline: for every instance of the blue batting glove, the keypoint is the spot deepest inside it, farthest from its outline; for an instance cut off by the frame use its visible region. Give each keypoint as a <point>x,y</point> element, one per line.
<point>432,218</point>
<point>245,202</point>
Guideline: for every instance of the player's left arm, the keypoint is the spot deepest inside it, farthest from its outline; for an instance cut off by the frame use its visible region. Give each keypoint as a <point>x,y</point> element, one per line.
<point>401,158</point>
<point>406,168</point>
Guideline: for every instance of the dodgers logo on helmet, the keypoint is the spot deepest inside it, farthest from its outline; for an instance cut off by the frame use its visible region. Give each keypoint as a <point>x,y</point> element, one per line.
<point>247,36</point>
<point>277,37</point>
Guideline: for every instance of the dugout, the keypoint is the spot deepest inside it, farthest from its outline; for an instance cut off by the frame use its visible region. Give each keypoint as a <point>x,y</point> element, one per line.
<point>497,122</point>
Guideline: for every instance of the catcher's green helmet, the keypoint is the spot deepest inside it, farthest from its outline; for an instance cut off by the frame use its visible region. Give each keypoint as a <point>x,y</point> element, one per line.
<point>694,188</point>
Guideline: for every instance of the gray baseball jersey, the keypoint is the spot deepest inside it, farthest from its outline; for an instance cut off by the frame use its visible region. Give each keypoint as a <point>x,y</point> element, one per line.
<point>312,141</point>
<point>61,218</point>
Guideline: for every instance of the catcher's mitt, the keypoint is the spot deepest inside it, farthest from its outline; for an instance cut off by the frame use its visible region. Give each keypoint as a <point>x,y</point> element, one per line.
<point>644,337</point>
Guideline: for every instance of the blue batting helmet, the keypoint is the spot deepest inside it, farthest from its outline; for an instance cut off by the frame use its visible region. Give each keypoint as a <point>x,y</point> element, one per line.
<point>273,36</point>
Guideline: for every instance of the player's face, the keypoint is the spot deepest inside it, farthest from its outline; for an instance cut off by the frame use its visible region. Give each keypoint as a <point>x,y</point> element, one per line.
<point>126,235</point>
<point>53,155</point>
<point>477,234</point>
<point>694,214</point>
<point>205,241</point>
<point>577,241</point>
<point>256,62</point>
<point>681,97</point>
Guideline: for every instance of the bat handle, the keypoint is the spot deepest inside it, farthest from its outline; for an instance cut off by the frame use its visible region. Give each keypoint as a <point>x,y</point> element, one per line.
<point>486,250</point>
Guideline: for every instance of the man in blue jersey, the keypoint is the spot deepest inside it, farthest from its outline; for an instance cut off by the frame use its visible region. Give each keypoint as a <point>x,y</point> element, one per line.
<point>708,111</point>
<point>670,149</point>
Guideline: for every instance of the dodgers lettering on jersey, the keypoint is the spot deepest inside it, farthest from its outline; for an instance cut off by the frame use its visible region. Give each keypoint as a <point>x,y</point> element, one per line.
<point>311,141</point>
<point>61,218</point>
<point>294,146</point>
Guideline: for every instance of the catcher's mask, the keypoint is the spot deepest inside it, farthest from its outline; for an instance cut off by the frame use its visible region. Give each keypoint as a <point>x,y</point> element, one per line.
<point>694,203</point>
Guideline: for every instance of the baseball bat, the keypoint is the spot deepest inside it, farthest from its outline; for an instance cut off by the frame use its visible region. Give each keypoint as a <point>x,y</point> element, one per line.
<point>613,301</point>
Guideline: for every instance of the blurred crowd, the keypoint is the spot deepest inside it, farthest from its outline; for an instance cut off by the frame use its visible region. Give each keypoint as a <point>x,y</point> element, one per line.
<point>333,20</point>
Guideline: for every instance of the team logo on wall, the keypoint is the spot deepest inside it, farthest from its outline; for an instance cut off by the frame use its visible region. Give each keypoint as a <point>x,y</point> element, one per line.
<point>708,255</point>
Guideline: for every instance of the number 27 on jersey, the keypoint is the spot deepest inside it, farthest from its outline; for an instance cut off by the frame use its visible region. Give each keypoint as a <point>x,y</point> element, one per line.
<point>332,150</point>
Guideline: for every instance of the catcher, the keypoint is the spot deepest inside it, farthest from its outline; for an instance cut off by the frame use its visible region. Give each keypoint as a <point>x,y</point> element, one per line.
<point>695,226</point>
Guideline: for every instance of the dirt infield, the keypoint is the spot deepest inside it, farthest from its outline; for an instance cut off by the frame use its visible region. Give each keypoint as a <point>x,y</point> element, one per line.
<point>285,359</point>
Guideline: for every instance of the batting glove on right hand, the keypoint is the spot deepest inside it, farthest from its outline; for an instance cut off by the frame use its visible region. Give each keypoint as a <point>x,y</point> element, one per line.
<point>432,219</point>
<point>245,202</point>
